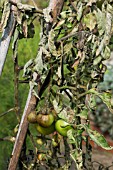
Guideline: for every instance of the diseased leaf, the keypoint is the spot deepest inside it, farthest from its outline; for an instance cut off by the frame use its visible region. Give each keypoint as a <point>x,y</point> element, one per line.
<point>39,62</point>
<point>109,19</point>
<point>107,53</point>
<point>25,7</point>
<point>59,25</point>
<point>90,2</point>
<point>79,12</point>
<point>105,97</point>
<point>68,47</point>
<point>101,47</point>
<point>51,44</point>
<point>98,139</point>
<point>70,134</point>
<point>5,15</point>
<point>101,21</point>
<point>25,29</point>
<point>56,106</point>
<point>90,21</point>
<point>97,60</point>
<point>63,14</point>
<point>65,99</point>
<point>27,69</point>
<point>15,37</point>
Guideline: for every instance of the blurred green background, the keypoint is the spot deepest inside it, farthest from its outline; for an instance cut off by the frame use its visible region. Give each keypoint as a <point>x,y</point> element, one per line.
<point>27,49</point>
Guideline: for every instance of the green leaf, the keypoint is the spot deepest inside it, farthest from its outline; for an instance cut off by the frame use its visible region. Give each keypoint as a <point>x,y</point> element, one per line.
<point>65,69</point>
<point>69,25</point>
<point>97,60</point>
<point>98,139</point>
<point>83,114</point>
<point>65,99</point>
<point>55,88</point>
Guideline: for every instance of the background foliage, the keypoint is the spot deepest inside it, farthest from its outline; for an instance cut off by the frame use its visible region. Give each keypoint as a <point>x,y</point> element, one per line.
<point>27,49</point>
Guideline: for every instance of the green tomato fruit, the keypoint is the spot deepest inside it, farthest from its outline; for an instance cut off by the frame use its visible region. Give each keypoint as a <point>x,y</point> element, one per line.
<point>45,130</point>
<point>32,117</point>
<point>62,127</point>
<point>45,120</point>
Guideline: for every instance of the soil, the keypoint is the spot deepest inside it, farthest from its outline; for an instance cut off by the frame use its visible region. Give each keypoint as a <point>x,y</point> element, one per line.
<point>103,159</point>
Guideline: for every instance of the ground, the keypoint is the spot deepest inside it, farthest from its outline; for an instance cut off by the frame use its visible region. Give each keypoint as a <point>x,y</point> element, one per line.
<point>102,158</point>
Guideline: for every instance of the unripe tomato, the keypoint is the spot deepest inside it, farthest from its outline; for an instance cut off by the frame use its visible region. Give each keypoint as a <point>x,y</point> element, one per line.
<point>32,117</point>
<point>62,127</point>
<point>45,120</point>
<point>45,130</point>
